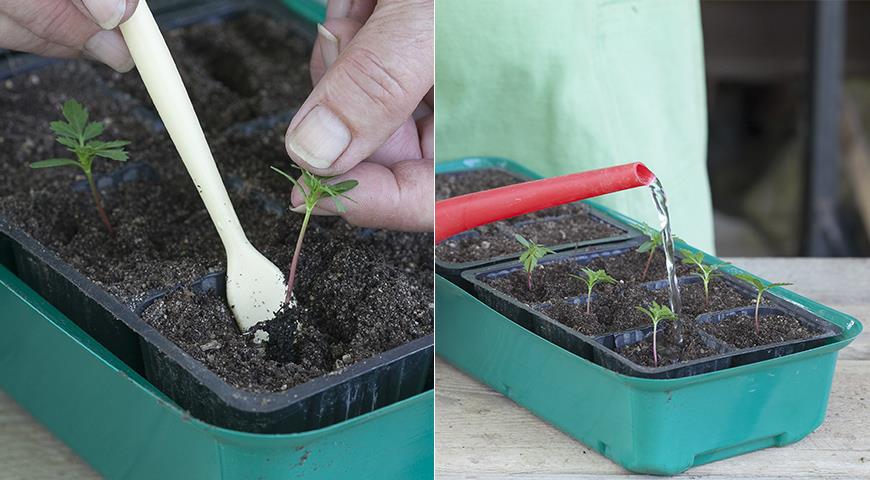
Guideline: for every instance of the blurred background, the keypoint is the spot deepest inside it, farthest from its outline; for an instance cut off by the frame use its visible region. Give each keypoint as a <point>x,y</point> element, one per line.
<point>788,90</point>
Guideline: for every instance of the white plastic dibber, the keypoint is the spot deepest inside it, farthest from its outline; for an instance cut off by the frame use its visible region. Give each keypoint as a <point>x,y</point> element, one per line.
<point>255,286</point>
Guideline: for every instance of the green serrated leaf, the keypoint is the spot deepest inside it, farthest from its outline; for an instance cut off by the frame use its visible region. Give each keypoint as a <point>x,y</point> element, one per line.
<point>63,129</point>
<point>119,155</point>
<point>522,240</point>
<point>77,116</point>
<point>339,207</point>
<point>92,130</point>
<point>109,145</point>
<point>287,176</point>
<point>55,162</point>
<point>342,187</point>
<point>68,142</point>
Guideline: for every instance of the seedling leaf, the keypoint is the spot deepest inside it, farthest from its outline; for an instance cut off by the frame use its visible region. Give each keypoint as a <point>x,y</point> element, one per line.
<point>315,188</point>
<point>55,162</point>
<point>63,129</point>
<point>76,115</point>
<point>93,130</point>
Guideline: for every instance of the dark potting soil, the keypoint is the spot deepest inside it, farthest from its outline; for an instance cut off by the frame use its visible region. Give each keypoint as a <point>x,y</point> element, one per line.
<point>247,67</point>
<point>723,296</point>
<point>550,281</point>
<point>574,224</point>
<point>614,309</point>
<point>351,307</point>
<point>669,353</point>
<point>163,235</point>
<point>739,330</point>
<point>455,184</point>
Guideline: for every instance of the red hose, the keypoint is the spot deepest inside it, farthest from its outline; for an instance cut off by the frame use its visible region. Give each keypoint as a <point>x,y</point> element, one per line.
<point>458,214</point>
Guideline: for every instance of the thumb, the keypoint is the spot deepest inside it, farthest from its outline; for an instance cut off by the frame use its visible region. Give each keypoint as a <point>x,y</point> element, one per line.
<point>370,90</point>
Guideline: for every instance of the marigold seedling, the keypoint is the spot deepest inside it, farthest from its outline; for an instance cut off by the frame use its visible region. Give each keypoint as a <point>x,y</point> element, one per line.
<point>592,278</point>
<point>529,258</point>
<point>656,314</point>
<point>79,137</point>
<point>655,240</point>
<point>315,188</point>
<point>705,272</point>
<point>761,288</point>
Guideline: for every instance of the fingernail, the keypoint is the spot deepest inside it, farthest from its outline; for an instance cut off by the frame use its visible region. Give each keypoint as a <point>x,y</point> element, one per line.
<point>338,8</point>
<point>107,13</point>
<point>319,139</point>
<point>108,47</point>
<point>328,45</point>
<point>299,209</point>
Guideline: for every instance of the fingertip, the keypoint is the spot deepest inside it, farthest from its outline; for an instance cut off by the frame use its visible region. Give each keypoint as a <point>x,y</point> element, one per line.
<point>109,47</point>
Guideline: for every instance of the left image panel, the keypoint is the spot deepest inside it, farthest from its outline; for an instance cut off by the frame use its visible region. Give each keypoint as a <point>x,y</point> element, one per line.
<point>216,249</point>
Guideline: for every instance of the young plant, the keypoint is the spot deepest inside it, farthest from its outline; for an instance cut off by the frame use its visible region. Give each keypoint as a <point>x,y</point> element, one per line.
<point>529,258</point>
<point>79,137</point>
<point>592,278</point>
<point>705,272</point>
<point>654,242</point>
<point>761,287</point>
<point>656,314</point>
<point>315,188</point>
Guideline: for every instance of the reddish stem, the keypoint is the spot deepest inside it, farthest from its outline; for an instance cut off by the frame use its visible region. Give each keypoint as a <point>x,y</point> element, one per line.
<point>98,201</point>
<point>757,304</point>
<point>648,263</point>
<point>529,276</point>
<point>291,278</point>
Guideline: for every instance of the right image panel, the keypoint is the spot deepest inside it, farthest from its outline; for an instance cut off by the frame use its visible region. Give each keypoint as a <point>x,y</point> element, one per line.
<point>612,181</point>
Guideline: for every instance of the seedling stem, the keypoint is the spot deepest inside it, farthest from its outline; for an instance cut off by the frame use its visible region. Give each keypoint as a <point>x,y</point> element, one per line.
<point>656,314</point>
<point>529,258</point>
<point>761,288</point>
<point>705,272</point>
<point>79,137</point>
<point>315,188</point>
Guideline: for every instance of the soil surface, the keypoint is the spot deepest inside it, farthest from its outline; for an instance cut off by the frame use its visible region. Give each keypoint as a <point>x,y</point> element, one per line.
<point>379,308</point>
<point>614,308</point>
<point>163,235</point>
<point>669,353</point>
<point>739,330</point>
<point>550,281</point>
<point>455,184</point>
<point>569,223</point>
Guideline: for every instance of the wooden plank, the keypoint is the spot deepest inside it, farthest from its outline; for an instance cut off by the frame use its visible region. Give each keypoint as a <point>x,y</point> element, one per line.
<point>29,451</point>
<point>478,430</point>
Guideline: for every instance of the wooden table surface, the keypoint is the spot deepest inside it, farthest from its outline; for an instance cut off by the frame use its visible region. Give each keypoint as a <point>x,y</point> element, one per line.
<point>481,434</point>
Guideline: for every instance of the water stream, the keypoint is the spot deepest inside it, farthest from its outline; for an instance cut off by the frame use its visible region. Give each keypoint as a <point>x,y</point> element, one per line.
<point>661,201</point>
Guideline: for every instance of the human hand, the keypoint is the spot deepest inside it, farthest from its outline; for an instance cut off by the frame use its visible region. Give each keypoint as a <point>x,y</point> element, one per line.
<point>68,29</point>
<point>373,68</point>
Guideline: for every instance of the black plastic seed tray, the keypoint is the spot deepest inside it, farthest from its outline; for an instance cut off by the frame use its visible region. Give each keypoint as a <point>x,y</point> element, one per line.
<point>604,349</point>
<point>360,388</point>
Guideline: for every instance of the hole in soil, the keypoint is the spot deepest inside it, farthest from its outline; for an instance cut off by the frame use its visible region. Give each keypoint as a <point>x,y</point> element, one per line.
<point>225,65</point>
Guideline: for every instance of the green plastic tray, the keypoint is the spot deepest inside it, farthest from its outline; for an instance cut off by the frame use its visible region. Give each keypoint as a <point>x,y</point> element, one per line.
<point>649,426</point>
<point>125,428</point>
